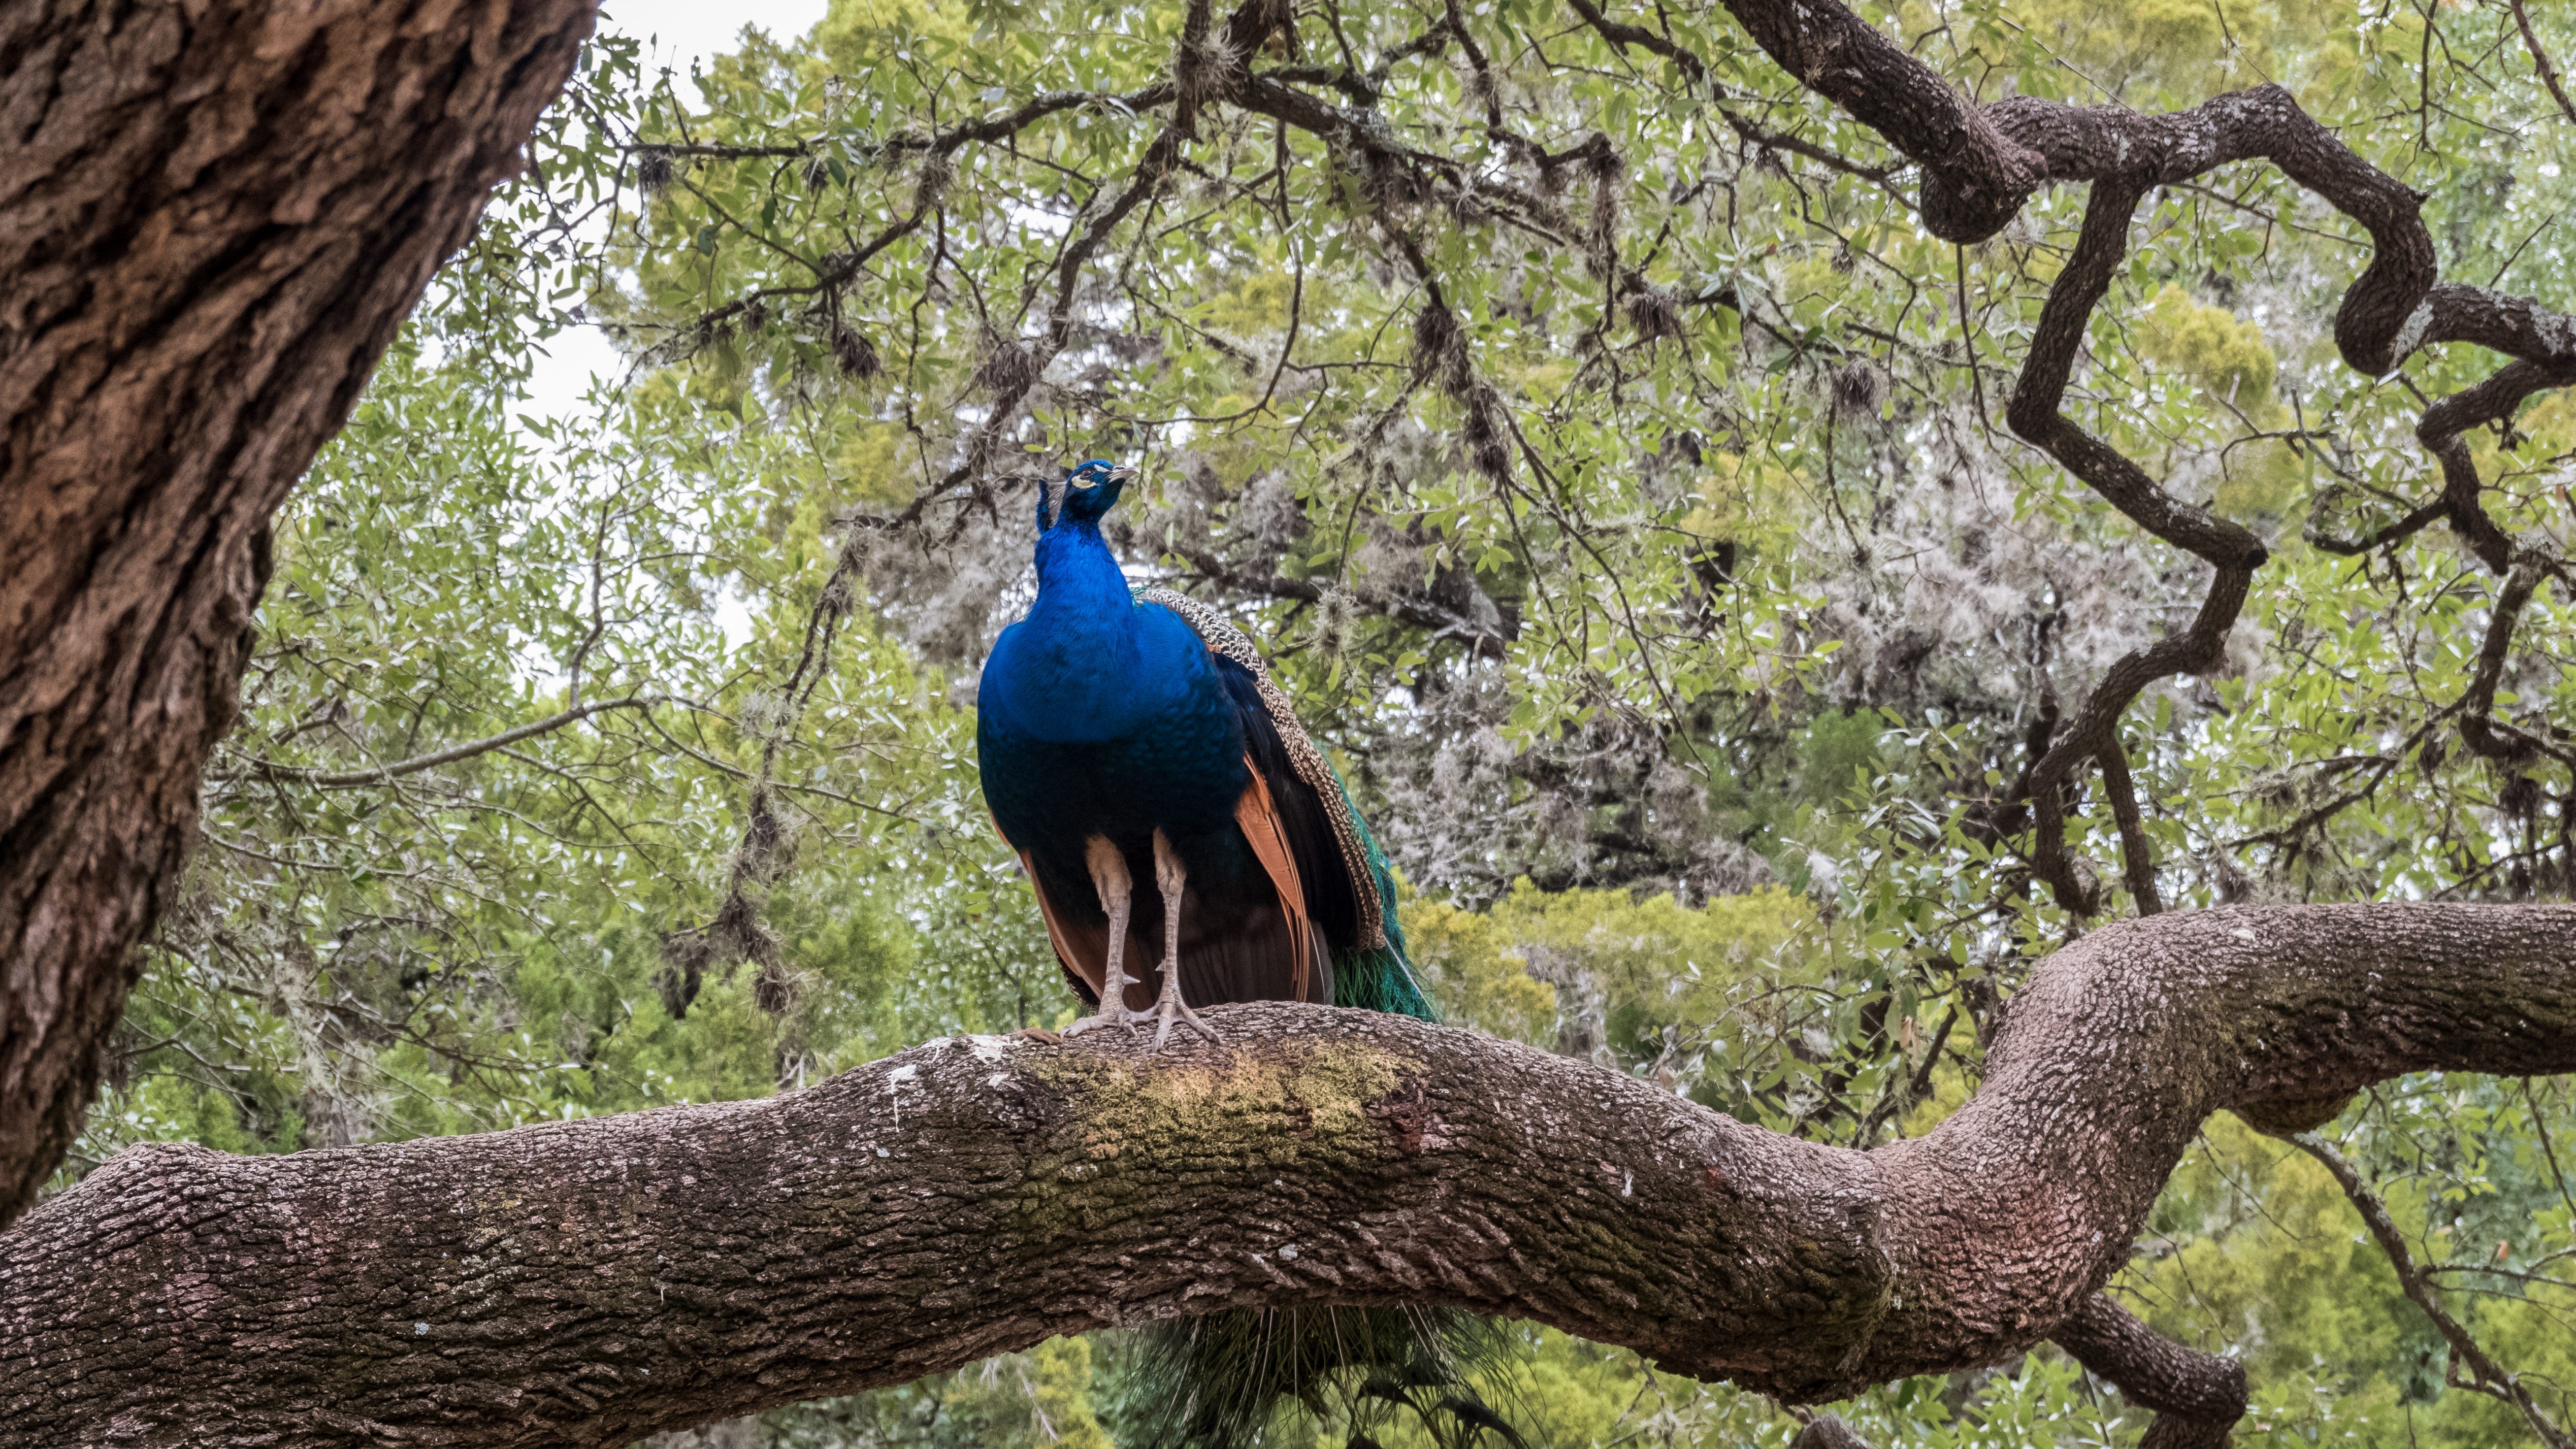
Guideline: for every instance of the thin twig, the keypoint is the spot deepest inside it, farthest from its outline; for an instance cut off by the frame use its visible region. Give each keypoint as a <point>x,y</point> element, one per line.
<point>2487,1376</point>
<point>270,769</point>
<point>2540,61</point>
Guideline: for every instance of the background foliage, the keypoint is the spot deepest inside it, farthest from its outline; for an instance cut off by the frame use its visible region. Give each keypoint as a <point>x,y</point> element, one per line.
<point>1615,471</point>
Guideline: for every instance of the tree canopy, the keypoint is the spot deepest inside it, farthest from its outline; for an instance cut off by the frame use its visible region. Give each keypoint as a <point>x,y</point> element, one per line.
<point>1768,594</point>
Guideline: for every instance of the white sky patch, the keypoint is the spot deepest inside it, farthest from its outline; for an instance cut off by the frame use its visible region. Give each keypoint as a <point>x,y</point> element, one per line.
<point>681,31</point>
<point>677,34</point>
<point>567,367</point>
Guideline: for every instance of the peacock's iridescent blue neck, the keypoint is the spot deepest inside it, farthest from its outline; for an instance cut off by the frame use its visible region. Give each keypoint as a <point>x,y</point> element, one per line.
<point>1079,581</point>
<point>1082,665</point>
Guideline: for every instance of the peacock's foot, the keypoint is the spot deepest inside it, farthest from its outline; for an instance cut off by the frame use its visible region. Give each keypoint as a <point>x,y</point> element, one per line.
<point>1100,1019</point>
<point>1173,878</point>
<point>1174,1009</point>
<point>1113,1012</point>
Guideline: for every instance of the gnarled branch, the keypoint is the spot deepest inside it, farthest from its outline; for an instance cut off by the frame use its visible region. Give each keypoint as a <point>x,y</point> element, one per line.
<point>2197,1397</point>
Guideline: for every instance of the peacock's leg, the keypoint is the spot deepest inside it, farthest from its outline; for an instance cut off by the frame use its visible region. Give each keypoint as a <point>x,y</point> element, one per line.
<point>1169,875</point>
<point>1118,898</point>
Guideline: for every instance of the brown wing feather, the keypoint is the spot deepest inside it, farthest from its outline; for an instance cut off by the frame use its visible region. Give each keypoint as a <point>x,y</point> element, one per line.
<point>1257,816</point>
<point>1084,950</point>
<point>1307,761</point>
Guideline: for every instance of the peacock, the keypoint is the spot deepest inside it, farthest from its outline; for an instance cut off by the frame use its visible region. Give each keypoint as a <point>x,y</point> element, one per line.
<point>1125,736</point>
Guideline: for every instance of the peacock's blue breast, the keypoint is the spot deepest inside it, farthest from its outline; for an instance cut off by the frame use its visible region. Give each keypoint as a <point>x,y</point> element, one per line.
<point>1073,742</point>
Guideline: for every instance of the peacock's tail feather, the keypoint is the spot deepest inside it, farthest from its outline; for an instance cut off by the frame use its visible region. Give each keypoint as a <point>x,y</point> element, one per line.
<point>1378,981</point>
<point>1379,978</point>
<point>1213,1382</point>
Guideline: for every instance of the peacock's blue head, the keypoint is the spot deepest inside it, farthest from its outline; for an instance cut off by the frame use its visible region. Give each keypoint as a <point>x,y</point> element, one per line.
<point>1086,493</point>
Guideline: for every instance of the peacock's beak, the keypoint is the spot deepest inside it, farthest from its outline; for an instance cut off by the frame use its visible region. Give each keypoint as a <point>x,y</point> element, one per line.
<point>1121,474</point>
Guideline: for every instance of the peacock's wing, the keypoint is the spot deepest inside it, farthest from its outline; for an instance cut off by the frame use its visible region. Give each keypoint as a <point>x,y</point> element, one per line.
<point>1213,1381</point>
<point>1349,889</point>
<point>1081,948</point>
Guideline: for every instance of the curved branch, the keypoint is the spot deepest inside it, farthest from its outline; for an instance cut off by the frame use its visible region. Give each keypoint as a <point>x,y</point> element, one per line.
<point>2095,731</point>
<point>2197,1397</point>
<point>2544,346</point>
<point>588,1281</point>
<point>2033,411</point>
<point>2493,400</point>
<point>1975,177</point>
<point>2113,143</point>
<point>2479,727</point>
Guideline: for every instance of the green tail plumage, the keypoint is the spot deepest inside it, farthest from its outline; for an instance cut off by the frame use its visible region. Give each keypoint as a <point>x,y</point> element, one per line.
<point>1214,1382</point>
<point>1378,978</point>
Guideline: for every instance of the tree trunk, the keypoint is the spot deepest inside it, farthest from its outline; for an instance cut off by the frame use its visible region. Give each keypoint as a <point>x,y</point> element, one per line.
<point>592,1282</point>
<point>212,218</point>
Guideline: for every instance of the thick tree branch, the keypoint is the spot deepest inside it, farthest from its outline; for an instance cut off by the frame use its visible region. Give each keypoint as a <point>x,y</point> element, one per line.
<point>1975,177</point>
<point>2197,1397</point>
<point>590,1281</point>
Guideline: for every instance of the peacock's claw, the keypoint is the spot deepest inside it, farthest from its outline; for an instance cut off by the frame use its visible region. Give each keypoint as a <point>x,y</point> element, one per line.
<point>1174,1009</point>
<point>1113,1012</point>
<point>1100,1019</point>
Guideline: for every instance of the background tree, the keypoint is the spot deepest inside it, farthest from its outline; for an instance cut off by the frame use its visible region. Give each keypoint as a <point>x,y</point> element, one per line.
<point>1614,451</point>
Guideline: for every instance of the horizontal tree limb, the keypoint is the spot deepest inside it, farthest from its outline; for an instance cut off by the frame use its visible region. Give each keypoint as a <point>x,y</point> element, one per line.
<point>590,1282</point>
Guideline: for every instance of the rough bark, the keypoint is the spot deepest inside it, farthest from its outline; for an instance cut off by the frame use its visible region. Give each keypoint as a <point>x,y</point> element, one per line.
<point>212,219</point>
<point>2197,1397</point>
<point>590,1282</point>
